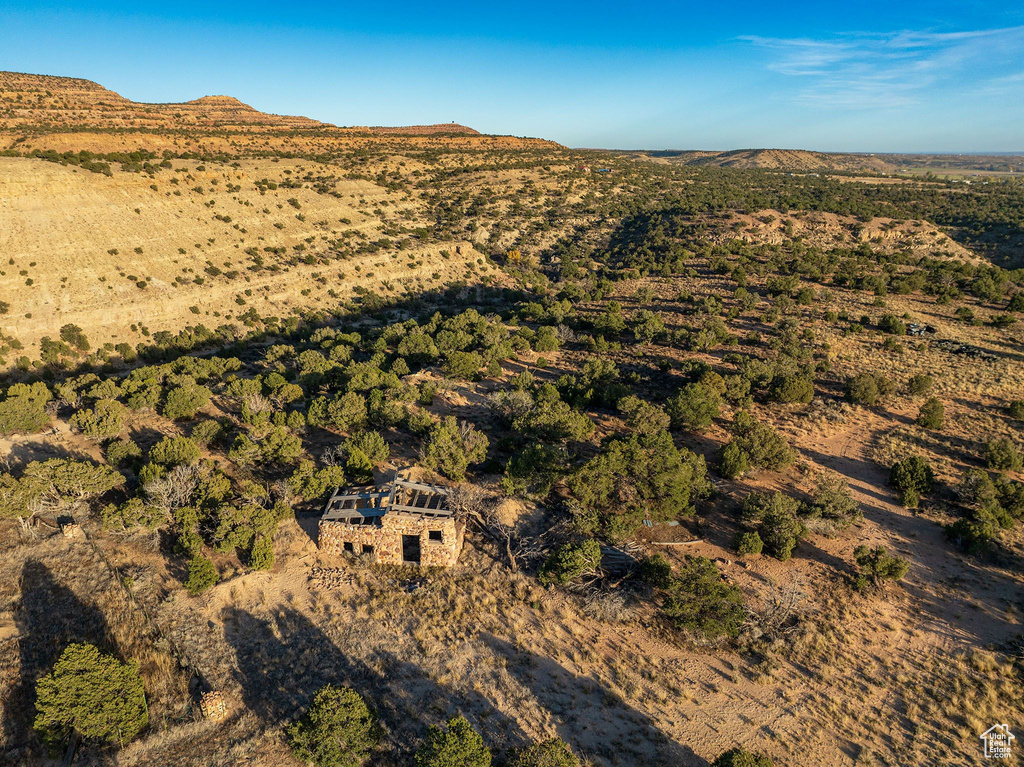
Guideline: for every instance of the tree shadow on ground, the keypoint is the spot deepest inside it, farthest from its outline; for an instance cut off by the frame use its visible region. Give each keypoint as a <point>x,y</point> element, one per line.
<point>941,582</point>
<point>23,453</point>
<point>806,548</point>
<point>310,525</point>
<point>592,719</point>
<point>145,436</point>
<point>49,617</point>
<point>864,476</point>
<point>284,659</point>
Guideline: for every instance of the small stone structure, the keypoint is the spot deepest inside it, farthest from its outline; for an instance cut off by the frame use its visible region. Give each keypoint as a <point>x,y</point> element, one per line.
<point>917,329</point>
<point>70,528</point>
<point>331,577</point>
<point>401,522</point>
<point>213,705</point>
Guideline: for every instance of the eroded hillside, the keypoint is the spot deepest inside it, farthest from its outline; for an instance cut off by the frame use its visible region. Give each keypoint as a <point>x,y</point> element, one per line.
<point>205,243</point>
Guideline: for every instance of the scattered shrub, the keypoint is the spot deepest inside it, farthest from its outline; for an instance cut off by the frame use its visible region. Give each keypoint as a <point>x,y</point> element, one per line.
<point>338,730</point>
<point>134,514</point>
<point>571,561</point>
<point>774,514</point>
<point>932,414</point>
<point>185,401</point>
<point>452,446</point>
<point>455,745</point>
<point>123,452</point>
<point>74,337</point>
<point>1002,454</point>
<point>832,502</point>
<point>206,433</point>
<point>93,694</point>
<point>550,753</point>
<point>261,555</point>
<point>105,420</point>
<point>867,389</point>
<point>311,483</point>
<point>656,571</point>
<point>23,409</point>
<point>642,416</point>
<point>749,543</point>
<point>202,574</point>
<point>877,566</point>
<point>694,407</point>
<point>740,757</point>
<point>912,477</point>
<point>174,451</point>
<point>791,388</point>
<point>644,476</point>
<point>971,536</point>
<point>55,484</point>
<point>733,462</point>
<point>919,384</point>
<point>700,601</point>
<point>890,323</point>
<point>754,445</point>
<point>462,365</point>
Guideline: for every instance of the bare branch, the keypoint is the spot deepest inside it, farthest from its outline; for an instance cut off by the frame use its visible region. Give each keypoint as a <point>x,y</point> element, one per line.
<point>779,611</point>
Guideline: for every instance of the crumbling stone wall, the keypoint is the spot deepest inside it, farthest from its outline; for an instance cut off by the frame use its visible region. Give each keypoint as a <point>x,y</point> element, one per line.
<point>213,705</point>
<point>384,542</point>
<point>71,529</point>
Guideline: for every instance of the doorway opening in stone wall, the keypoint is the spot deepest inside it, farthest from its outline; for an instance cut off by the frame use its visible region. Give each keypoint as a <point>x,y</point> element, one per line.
<point>411,549</point>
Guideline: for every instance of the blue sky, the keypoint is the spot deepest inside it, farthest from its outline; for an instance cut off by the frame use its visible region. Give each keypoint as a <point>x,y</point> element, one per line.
<point>857,76</point>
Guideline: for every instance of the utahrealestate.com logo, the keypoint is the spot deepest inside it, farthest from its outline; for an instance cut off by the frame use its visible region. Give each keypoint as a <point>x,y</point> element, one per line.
<point>998,741</point>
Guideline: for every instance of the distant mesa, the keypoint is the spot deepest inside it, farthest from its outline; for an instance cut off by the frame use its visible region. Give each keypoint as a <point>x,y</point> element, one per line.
<point>780,159</point>
<point>424,130</point>
<point>70,103</point>
<point>220,101</point>
<point>868,163</point>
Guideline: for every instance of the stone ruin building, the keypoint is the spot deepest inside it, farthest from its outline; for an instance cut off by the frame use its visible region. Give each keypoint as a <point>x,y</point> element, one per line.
<point>400,522</point>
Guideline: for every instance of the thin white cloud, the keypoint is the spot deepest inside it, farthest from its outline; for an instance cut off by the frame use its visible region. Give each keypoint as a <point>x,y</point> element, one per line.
<point>858,70</point>
<point>1006,85</point>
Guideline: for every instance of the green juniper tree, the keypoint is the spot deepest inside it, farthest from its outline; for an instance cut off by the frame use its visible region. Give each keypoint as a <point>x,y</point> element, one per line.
<point>91,693</point>
<point>338,730</point>
<point>877,566</point>
<point>570,562</point>
<point>549,753</point>
<point>700,601</point>
<point>455,745</point>
<point>450,447</point>
<point>932,414</point>
<point>912,477</point>
<point>741,757</point>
